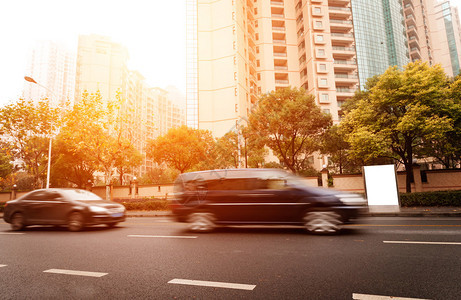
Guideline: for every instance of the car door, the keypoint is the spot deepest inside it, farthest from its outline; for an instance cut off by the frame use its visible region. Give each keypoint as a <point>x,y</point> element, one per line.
<point>271,201</point>
<point>45,207</point>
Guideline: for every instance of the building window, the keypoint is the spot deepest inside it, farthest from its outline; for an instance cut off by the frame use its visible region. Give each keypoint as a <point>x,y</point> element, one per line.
<point>257,63</point>
<point>318,24</point>
<point>317,10</point>
<point>322,68</point>
<point>326,111</point>
<point>323,82</point>
<point>324,98</point>
<point>320,52</point>
<point>319,38</point>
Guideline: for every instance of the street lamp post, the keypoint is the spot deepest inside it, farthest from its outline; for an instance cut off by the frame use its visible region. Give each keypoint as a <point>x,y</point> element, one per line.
<point>30,79</point>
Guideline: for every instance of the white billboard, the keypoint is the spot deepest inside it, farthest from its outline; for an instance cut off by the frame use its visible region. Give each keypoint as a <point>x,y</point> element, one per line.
<point>381,188</point>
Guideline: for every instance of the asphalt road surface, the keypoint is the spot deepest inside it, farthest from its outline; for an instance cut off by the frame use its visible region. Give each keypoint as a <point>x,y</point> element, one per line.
<point>156,258</point>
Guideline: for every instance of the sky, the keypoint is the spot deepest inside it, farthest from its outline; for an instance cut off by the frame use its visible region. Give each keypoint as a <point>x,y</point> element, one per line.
<point>153,31</point>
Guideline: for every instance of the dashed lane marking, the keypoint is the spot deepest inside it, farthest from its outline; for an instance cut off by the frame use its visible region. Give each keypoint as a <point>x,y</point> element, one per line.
<point>225,285</point>
<point>12,233</point>
<point>2,266</point>
<point>422,243</point>
<point>163,236</point>
<point>74,272</point>
<point>376,297</point>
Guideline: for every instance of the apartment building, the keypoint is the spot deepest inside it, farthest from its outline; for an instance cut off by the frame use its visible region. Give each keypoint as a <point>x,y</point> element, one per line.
<point>52,64</point>
<point>101,66</point>
<point>248,47</point>
<point>146,112</point>
<point>433,33</point>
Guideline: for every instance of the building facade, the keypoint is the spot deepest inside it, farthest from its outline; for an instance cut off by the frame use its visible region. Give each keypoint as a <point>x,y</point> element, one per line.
<point>246,48</point>
<point>433,33</point>
<point>52,65</point>
<point>101,66</point>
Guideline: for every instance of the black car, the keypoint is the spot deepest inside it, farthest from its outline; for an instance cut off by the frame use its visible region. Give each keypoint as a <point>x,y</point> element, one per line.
<point>72,207</point>
<point>260,196</point>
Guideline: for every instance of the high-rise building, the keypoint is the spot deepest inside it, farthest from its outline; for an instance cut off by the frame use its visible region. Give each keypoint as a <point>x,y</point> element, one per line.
<point>52,65</point>
<point>145,112</point>
<point>433,33</point>
<point>101,66</point>
<point>246,48</point>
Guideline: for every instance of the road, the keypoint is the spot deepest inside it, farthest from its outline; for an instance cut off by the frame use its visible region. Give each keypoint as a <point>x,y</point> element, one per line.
<point>156,258</point>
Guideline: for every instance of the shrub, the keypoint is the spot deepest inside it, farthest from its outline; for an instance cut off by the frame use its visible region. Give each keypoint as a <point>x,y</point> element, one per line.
<point>144,204</point>
<point>436,198</point>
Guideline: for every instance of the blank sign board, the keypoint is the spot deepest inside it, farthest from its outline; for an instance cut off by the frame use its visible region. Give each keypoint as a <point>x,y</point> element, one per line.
<point>381,188</point>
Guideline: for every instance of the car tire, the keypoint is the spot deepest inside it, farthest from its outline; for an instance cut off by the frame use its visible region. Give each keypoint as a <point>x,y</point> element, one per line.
<point>112,225</point>
<point>17,222</point>
<point>75,222</point>
<point>322,222</point>
<point>201,222</point>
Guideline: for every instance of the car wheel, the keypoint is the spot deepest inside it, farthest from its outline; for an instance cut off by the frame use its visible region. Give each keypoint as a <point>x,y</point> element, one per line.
<point>112,225</point>
<point>17,221</point>
<point>75,221</point>
<point>322,222</point>
<point>201,222</point>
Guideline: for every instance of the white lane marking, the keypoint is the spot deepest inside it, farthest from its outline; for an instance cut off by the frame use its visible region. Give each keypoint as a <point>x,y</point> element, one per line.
<point>163,236</point>
<point>12,233</point>
<point>73,272</point>
<point>2,266</point>
<point>376,297</point>
<point>225,285</point>
<point>422,243</point>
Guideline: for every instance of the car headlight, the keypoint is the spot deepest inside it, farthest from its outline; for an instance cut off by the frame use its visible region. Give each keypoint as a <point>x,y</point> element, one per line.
<point>97,209</point>
<point>352,199</point>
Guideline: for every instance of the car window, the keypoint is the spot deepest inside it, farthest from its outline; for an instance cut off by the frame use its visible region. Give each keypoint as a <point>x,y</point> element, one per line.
<point>44,196</point>
<point>38,195</point>
<point>83,195</point>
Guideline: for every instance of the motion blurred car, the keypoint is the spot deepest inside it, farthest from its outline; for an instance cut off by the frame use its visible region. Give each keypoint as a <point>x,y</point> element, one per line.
<point>206,199</point>
<point>73,208</point>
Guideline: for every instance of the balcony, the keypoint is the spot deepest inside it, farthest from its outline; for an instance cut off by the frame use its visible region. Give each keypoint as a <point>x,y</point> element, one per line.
<point>337,12</point>
<point>342,37</point>
<point>344,92</point>
<point>278,16</point>
<point>277,3</point>
<point>280,29</point>
<point>415,53</point>
<point>413,42</point>
<point>282,82</point>
<point>343,52</point>
<point>345,65</point>
<point>346,78</point>
<point>408,8</point>
<point>341,25</point>
<point>279,41</point>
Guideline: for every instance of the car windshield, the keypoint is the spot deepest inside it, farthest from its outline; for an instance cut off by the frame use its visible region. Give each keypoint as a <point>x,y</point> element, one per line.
<point>82,195</point>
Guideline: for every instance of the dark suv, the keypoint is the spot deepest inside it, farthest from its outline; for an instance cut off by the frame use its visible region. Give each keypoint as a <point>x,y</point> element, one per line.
<point>260,196</point>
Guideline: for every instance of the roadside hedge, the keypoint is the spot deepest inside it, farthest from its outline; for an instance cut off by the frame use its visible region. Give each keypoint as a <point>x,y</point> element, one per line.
<point>436,198</point>
<point>144,204</point>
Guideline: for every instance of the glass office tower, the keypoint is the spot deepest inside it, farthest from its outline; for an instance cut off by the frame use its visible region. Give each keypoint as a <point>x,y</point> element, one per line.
<point>380,36</point>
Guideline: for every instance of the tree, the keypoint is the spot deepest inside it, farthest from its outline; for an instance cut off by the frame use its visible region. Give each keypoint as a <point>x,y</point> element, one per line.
<point>182,148</point>
<point>334,144</point>
<point>28,126</point>
<point>127,158</point>
<point>399,115</point>
<point>97,142</point>
<point>6,163</point>
<point>290,123</point>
